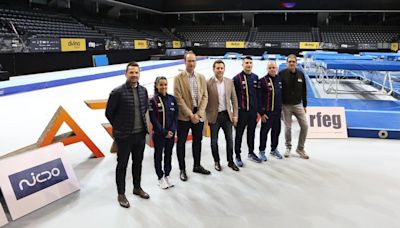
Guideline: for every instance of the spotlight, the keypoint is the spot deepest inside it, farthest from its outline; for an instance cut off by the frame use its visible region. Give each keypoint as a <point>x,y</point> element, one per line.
<point>288,5</point>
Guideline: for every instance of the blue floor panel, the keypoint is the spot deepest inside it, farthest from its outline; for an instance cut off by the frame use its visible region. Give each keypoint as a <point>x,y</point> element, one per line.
<point>373,120</point>
<point>365,118</point>
<point>353,104</point>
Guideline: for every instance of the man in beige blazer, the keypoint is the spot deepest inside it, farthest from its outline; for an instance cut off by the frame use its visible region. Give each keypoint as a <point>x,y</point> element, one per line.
<point>222,112</point>
<point>190,91</point>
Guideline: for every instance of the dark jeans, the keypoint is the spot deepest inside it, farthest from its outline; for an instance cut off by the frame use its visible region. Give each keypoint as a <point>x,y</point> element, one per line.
<point>224,122</point>
<point>249,120</point>
<point>162,144</point>
<point>197,136</point>
<point>134,144</point>
<point>274,123</point>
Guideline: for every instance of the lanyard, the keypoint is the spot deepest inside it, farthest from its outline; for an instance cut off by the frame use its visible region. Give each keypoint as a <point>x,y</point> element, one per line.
<point>273,94</point>
<point>247,92</point>
<point>163,111</point>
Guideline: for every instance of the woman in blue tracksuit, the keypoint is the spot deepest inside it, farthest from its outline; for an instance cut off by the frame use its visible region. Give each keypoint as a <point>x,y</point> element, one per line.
<point>163,112</point>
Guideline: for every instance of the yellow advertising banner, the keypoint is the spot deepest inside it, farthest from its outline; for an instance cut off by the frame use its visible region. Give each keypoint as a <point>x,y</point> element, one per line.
<point>73,44</point>
<point>141,44</point>
<point>235,44</point>
<point>309,45</point>
<point>394,46</point>
<point>176,44</point>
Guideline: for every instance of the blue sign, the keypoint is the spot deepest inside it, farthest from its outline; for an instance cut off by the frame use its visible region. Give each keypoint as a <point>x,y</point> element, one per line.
<point>37,178</point>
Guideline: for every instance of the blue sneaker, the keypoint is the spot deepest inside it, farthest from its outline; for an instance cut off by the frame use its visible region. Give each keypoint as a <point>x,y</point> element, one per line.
<point>254,158</point>
<point>239,162</point>
<point>262,156</point>
<point>276,154</point>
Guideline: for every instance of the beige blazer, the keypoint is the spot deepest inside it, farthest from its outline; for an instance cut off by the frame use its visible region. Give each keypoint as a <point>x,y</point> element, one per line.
<point>184,97</point>
<point>213,101</point>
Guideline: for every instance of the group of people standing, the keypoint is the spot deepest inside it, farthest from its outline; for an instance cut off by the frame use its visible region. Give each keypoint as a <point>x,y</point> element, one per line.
<point>225,103</point>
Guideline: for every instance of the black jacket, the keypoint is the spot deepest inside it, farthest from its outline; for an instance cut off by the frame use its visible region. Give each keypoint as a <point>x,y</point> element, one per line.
<point>120,109</point>
<point>294,89</point>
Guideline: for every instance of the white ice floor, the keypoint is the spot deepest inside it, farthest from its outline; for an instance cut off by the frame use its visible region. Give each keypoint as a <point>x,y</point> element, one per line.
<point>346,183</point>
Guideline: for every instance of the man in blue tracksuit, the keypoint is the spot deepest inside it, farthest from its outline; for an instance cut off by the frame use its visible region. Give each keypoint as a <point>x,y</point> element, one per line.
<point>246,86</point>
<point>270,108</point>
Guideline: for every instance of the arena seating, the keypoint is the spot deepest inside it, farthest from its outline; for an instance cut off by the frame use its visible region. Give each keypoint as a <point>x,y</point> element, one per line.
<point>32,23</point>
<point>159,34</point>
<point>283,34</point>
<point>5,31</point>
<point>213,33</point>
<point>359,34</point>
<point>47,24</point>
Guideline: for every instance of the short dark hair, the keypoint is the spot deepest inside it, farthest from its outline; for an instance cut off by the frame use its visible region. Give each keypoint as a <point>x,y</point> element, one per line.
<point>187,53</point>
<point>218,62</point>
<point>291,56</point>
<point>132,64</point>
<point>248,57</point>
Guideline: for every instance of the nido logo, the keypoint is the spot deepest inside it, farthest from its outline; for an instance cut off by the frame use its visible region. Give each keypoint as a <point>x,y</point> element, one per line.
<point>74,43</point>
<point>37,178</point>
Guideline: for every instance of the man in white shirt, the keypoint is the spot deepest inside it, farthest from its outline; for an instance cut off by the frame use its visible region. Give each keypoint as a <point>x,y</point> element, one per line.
<point>222,112</point>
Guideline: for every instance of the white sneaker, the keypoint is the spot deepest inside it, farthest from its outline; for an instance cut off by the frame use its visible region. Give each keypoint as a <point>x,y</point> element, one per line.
<point>168,182</point>
<point>162,183</point>
<point>287,153</point>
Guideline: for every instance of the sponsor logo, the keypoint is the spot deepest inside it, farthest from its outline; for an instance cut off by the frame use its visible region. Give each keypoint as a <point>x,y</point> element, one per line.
<point>321,120</point>
<point>92,44</point>
<point>37,178</point>
<point>74,43</point>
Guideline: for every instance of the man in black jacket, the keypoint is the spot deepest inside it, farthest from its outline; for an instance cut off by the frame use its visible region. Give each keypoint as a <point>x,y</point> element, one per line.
<point>294,96</point>
<point>126,110</point>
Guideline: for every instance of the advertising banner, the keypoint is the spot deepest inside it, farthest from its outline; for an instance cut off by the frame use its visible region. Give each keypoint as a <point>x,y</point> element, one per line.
<point>127,44</point>
<point>290,45</point>
<point>176,44</point>
<point>235,44</point>
<point>95,44</point>
<point>45,45</point>
<point>36,178</point>
<point>73,44</point>
<point>309,45</point>
<point>394,46</point>
<point>141,44</point>
<point>326,122</point>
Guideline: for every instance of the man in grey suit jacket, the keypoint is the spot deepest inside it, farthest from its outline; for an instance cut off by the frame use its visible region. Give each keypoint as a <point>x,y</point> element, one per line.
<point>222,112</point>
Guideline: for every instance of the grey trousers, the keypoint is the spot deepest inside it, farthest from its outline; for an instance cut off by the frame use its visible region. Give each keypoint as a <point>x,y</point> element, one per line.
<point>300,114</point>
